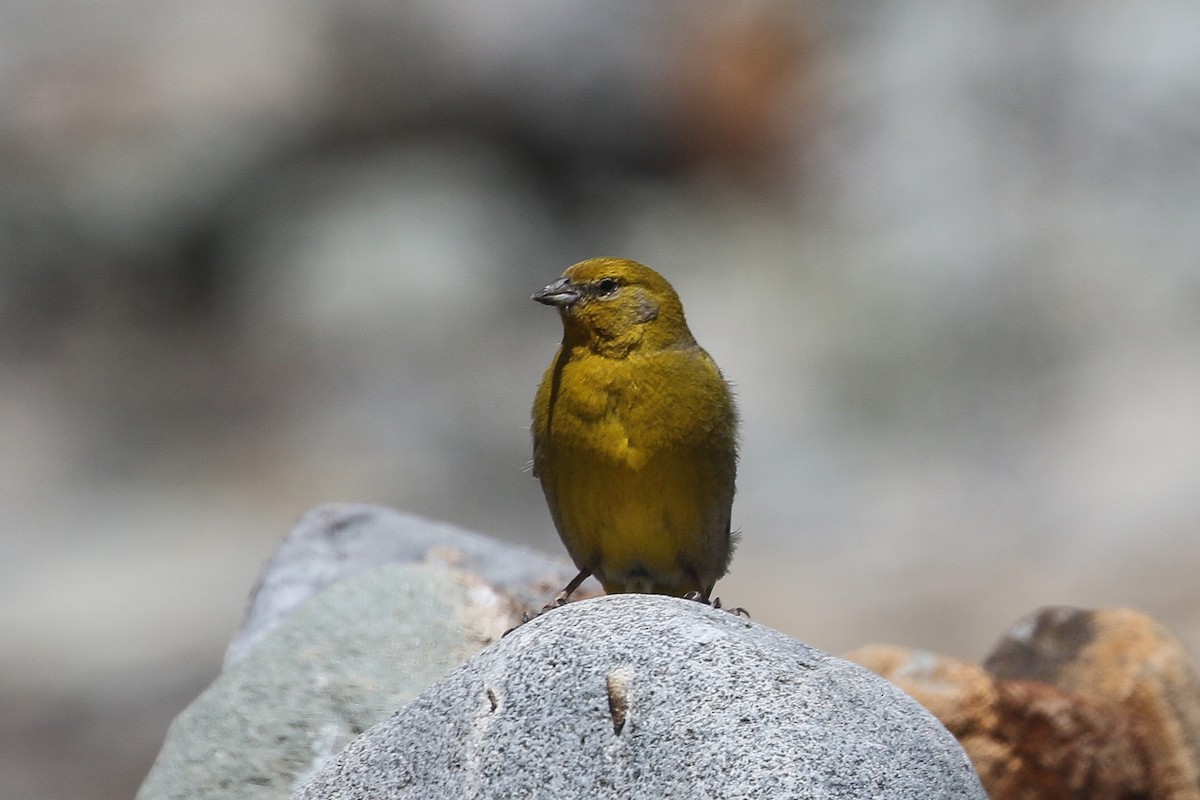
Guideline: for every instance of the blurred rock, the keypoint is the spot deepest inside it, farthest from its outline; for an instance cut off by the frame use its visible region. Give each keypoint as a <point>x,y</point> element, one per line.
<point>1028,740</point>
<point>650,696</point>
<point>1065,746</point>
<point>1124,662</point>
<point>339,664</point>
<point>359,610</point>
<point>335,542</point>
<point>959,694</point>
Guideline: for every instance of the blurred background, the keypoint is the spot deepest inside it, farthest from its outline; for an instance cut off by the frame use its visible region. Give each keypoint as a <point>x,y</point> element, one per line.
<point>255,257</point>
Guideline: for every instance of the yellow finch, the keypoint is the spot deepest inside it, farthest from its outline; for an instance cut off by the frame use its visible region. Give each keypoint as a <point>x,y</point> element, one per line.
<point>634,436</point>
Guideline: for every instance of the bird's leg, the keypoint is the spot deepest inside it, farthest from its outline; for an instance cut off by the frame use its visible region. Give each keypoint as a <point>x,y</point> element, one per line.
<point>560,599</point>
<point>701,593</point>
<point>568,590</point>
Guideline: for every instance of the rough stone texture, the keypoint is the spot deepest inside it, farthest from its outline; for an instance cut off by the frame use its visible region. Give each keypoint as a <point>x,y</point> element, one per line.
<point>636,696</point>
<point>335,541</point>
<point>335,666</point>
<point>1123,661</point>
<point>1065,747</point>
<point>1028,740</point>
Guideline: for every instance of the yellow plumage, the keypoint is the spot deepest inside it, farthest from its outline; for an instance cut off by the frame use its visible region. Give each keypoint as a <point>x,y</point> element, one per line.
<point>634,435</point>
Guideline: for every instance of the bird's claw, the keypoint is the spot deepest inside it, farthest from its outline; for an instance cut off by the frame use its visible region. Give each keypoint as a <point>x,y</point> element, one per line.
<point>557,602</point>
<point>716,603</point>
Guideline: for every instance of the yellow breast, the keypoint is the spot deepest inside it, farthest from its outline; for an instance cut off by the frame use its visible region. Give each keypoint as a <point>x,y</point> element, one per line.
<point>637,460</point>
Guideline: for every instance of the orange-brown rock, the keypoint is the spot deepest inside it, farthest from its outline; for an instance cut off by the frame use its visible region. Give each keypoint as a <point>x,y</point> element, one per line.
<point>961,695</point>
<point>1028,741</point>
<point>1125,662</point>
<point>1062,745</point>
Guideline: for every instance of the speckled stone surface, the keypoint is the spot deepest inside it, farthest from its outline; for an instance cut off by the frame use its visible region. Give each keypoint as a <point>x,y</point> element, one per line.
<point>636,696</point>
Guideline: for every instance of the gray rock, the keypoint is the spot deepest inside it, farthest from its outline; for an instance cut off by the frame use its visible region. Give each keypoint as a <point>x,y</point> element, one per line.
<point>335,666</point>
<point>336,541</point>
<point>643,696</point>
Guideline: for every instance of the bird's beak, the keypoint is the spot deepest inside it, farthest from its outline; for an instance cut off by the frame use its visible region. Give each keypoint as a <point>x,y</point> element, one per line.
<point>561,293</point>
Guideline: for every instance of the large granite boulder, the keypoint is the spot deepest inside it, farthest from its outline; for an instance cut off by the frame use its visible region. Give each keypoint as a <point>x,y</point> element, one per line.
<point>632,696</point>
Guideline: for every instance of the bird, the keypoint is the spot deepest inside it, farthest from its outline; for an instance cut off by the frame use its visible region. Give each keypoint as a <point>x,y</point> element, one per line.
<point>634,436</point>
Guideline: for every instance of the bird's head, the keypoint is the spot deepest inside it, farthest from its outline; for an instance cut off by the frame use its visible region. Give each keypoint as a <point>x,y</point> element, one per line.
<point>615,306</point>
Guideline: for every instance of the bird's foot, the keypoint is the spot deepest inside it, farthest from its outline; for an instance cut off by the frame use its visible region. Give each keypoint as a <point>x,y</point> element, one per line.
<point>557,602</point>
<point>716,603</point>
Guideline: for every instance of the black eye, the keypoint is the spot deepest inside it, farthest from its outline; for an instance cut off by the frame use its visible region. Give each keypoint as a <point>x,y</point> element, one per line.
<point>606,286</point>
